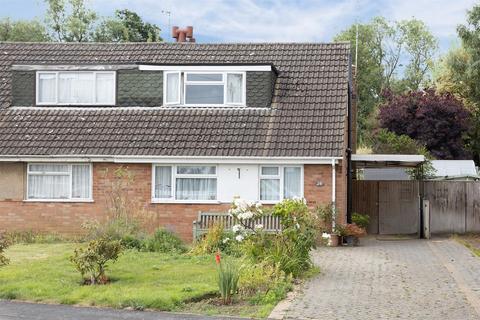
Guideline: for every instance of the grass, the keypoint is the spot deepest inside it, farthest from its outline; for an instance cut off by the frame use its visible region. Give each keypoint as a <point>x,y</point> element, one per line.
<point>471,241</point>
<point>139,280</point>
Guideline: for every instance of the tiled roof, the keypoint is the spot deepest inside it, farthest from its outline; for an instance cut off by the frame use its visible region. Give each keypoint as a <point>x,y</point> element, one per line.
<point>307,117</point>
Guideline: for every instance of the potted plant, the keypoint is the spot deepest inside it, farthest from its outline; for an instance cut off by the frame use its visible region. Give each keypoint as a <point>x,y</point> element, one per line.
<point>353,233</point>
<point>338,234</point>
<point>361,220</point>
<point>325,216</point>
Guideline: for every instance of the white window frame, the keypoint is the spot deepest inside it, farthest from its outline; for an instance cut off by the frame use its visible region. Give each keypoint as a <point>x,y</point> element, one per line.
<point>184,82</point>
<point>174,177</point>
<point>69,199</point>
<point>178,101</point>
<point>94,103</point>
<point>280,176</point>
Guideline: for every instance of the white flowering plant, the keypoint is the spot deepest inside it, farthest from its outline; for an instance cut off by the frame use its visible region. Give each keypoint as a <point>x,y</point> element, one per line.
<point>245,213</point>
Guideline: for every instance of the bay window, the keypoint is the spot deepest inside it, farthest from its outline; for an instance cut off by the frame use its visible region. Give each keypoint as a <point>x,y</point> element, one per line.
<point>52,181</point>
<point>204,88</point>
<point>185,183</point>
<point>75,88</point>
<point>280,182</point>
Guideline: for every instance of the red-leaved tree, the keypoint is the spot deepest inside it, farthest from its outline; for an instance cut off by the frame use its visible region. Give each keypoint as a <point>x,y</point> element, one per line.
<point>439,121</point>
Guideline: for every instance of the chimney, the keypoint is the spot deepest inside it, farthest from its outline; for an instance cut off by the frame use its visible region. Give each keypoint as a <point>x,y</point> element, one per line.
<point>183,35</point>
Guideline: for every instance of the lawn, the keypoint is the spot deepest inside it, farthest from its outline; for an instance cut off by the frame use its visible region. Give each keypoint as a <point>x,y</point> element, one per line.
<point>139,280</point>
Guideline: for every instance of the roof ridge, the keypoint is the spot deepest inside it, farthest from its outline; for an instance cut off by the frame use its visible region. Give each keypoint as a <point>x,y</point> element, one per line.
<point>176,43</point>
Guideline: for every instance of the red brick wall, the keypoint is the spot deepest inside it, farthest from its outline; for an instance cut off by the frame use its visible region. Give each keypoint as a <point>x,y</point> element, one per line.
<point>67,218</point>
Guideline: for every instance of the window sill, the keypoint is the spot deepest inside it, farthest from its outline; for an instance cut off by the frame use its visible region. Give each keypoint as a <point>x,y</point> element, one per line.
<point>61,200</point>
<point>167,201</point>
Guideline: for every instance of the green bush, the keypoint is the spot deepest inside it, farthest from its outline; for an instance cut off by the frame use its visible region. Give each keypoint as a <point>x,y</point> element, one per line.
<point>164,241</point>
<point>260,278</point>
<point>325,216</point>
<point>4,243</point>
<point>290,248</point>
<point>92,261</point>
<point>227,278</point>
<point>216,239</point>
<point>361,220</point>
<point>132,242</point>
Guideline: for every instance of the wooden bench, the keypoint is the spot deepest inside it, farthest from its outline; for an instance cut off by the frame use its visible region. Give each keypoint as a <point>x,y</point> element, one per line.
<point>206,220</point>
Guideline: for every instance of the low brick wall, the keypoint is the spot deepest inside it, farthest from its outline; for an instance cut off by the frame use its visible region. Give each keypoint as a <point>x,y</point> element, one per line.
<point>68,217</point>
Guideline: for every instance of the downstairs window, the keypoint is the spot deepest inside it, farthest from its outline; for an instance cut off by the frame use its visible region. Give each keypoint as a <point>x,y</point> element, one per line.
<point>280,182</point>
<point>52,181</point>
<point>185,183</point>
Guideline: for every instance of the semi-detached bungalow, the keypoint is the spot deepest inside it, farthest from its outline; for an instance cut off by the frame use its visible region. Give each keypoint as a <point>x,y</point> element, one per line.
<point>195,124</point>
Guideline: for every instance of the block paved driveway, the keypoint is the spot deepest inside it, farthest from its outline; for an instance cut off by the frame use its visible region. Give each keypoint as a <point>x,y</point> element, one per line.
<point>403,279</point>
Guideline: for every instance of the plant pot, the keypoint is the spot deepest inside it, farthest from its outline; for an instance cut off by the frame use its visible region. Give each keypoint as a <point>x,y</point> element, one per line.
<point>350,241</point>
<point>334,240</point>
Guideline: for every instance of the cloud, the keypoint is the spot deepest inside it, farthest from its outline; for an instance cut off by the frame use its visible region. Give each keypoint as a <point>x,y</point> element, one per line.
<point>252,21</point>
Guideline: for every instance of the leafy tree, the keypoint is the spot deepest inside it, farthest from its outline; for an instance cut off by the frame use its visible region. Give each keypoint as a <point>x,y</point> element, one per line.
<point>127,26</point>
<point>23,30</point>
<point>70,20</point>
<point>382,47</point>
<point>458,72</point>
<point>420,46</point>
<point>387,142</point>
<point>439,121</point>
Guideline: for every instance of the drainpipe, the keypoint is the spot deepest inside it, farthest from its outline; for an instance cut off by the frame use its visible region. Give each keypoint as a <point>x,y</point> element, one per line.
<point>333,195</point>
<point>349,146</point>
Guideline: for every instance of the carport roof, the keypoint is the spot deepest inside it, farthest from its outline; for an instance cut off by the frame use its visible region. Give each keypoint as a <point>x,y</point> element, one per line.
<point>387,160</point>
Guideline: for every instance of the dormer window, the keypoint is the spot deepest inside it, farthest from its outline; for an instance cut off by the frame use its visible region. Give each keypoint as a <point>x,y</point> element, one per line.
<point>75,88</point>
<point>204,88</point>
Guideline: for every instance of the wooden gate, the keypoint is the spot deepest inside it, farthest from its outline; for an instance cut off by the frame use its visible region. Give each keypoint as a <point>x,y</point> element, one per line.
<point>393,206</point>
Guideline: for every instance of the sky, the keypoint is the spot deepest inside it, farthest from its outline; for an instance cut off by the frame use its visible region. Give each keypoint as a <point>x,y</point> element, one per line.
<point>271,20</point>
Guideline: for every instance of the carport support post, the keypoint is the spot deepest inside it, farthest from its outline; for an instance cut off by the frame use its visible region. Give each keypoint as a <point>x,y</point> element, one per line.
<point>421,195</point>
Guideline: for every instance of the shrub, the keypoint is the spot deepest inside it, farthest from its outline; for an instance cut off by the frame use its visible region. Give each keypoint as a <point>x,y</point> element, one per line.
<point>227,278</point>
<point>4,243</point>
<point>164,241</point>
<point>92,261</point>
<point>126,217</point>
<point>132,242</point>
<point>361,220</point>
<point>288,249</point>
<point>325,215</point>
<point>260,278</point>
<point>216,239</point>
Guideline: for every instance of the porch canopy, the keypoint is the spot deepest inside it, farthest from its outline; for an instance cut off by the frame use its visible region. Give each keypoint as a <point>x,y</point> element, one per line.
<point>387,160</point>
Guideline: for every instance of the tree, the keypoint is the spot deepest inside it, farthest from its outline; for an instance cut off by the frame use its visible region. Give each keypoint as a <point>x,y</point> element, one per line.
<point>382,48</point>
<point>438,121</point>
<point>127,26</point>
<point>72,22</point>
<point>23,30</point>
<point>387,142</point>
<point>458,73</point>
<point>420,46</point>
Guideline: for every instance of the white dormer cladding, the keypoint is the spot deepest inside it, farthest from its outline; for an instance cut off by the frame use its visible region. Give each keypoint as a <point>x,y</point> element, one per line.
<point>205,85</point>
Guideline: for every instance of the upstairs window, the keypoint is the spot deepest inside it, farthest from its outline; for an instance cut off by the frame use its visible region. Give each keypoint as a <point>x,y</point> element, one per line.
<point>75,88</point>
<point>205,88</point>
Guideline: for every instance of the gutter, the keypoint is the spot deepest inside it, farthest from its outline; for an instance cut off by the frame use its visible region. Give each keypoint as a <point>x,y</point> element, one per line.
<point>168,159</point>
